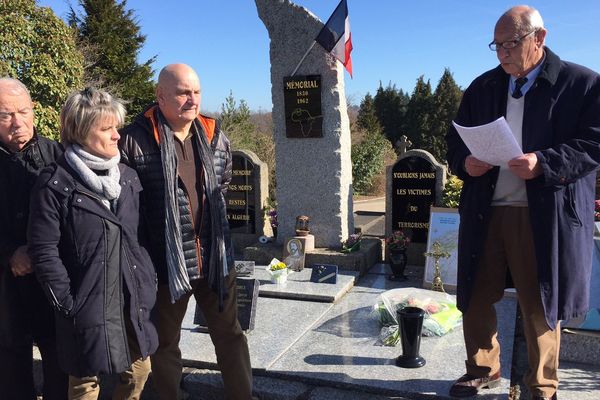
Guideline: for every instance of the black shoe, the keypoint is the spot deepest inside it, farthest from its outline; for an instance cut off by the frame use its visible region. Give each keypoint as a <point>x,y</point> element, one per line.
<point>468,385</point>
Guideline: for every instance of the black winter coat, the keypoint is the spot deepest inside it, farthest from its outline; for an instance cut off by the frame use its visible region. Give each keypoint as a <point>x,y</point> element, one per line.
<point>561,124</point>
<point>140,150</point>
<point>20,295</point>
<point>89,262</point>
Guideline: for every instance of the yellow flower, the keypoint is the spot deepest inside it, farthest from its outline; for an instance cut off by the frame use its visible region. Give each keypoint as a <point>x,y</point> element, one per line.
<point>279,266</point>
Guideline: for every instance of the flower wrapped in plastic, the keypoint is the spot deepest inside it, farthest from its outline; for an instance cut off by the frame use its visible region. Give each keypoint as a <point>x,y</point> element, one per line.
<point>441,314</point>
<point>278,271</point>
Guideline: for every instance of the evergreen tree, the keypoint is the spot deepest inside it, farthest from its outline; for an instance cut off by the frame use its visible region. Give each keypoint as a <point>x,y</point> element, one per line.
<point>37,48</point>
<point>236,122</point>
<point>419,114</point>
<point>367,115</point>
<point>390,106</point>
<point>446,100</point>
<point>111,40</point>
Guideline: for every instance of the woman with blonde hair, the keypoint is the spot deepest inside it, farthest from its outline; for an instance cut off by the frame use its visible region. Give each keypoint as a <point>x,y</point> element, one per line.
<point>83,235</point>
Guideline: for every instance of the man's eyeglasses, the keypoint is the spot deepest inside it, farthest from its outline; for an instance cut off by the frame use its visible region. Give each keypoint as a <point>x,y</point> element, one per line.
<point>510,44</point>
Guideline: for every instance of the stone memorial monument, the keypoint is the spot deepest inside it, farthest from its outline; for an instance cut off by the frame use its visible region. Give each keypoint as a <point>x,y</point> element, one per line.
<point>314,170</point>
<point>246,199</point>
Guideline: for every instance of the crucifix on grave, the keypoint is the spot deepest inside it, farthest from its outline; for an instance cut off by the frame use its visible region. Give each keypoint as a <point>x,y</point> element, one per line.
<point>437,253</point>
<point>403,144</point>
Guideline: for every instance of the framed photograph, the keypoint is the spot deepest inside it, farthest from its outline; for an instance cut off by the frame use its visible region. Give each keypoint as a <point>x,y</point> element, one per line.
<point>442,239</point>
<point>293,254</point>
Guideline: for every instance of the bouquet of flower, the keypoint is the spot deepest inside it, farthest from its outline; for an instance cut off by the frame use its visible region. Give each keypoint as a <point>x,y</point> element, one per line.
<point>597,210</point>
<point>397,241</point>
<point>278,271</point>
<point>441,314</point>
<point>352,243</point>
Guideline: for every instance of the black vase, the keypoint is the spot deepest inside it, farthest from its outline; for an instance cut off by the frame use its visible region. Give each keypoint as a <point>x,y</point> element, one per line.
<point>398,261</point>
<point>410,320</point>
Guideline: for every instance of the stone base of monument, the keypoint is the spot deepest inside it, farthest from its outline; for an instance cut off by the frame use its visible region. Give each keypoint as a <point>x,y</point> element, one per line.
<point>361,260</point>
<point>308,242</point>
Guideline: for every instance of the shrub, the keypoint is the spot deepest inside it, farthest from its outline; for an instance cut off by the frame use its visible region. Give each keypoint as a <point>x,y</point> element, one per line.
<point>451,193</point>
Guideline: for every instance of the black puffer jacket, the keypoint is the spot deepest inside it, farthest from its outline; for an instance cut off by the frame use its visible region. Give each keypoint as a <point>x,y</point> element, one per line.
<point>18,295</point>
<point>89,262</point>
<point>140,150</point>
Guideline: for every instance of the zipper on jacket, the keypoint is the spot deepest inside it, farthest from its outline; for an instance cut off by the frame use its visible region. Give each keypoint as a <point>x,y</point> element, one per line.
<point>104,263</point>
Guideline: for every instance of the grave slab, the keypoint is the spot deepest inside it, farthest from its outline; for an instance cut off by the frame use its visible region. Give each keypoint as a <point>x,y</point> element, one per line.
<point>362,260</point>
<point>279,324</point>
<point>299,286</point>
<point>342,348</point>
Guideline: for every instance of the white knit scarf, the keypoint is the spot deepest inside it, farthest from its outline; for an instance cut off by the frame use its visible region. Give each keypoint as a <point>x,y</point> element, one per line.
<point>84,163</point>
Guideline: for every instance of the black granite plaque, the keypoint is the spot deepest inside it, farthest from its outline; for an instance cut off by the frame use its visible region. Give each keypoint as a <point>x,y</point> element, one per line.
<point>241,197</point>
<point>324,273</point>
<point>247,297</point>
<point>302,101</point>
<point>413,193</point>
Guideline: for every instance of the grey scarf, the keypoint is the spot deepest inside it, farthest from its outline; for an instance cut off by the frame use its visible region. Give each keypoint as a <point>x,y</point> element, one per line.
<point>106,186</point>
<point>179,282</point>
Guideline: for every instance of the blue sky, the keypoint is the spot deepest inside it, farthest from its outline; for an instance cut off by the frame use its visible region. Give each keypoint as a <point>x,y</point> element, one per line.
<point>394,41</point>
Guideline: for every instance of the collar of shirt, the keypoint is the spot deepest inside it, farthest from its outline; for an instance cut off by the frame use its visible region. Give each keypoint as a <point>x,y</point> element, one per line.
<point>530,78</point>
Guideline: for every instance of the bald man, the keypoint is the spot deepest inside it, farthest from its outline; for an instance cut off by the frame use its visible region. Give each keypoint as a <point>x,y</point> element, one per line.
<point>529,222</point>
<point>183,160</point>
<point>25,314</point>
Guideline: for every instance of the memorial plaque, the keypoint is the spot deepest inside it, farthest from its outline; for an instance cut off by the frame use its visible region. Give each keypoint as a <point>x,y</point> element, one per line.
<point>302,102</point>
<point>247,296</point>
<point>244,268</point>
<point>324,273</point>
<point>413,193</point>
<point>240,198</point>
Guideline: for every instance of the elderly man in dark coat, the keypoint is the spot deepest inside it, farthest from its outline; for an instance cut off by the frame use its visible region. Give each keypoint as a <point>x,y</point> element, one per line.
<point>529,221</point>
<point>25,314</point>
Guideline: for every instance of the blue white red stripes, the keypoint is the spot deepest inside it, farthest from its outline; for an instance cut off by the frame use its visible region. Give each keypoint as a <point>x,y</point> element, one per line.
<point>335,37</point>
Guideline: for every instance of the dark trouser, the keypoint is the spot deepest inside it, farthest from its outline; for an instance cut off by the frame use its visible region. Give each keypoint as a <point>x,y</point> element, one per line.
<point>26,317</point>
<point>509,247</point>
<point>230,343</point>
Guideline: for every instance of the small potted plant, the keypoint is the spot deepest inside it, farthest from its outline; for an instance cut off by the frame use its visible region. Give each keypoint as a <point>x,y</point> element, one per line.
<point>352,243</point>
<point>278,271</point>
<point>397,244</point>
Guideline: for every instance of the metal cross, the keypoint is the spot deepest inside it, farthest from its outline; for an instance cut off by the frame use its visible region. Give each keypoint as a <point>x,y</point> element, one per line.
<point>437,253</point>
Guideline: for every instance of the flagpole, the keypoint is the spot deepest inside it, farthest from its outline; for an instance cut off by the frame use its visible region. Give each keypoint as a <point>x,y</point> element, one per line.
<point>303,57</point>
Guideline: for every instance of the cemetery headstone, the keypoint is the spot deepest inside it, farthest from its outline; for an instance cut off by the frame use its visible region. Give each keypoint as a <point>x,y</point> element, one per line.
<point>314,174</point>
<point>414,184</point>
<point>246,198</point>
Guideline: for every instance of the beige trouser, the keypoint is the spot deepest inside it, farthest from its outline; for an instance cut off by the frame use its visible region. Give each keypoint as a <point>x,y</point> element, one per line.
<point>225,332</point>
<point>509,247</point>
<point>130,384</point>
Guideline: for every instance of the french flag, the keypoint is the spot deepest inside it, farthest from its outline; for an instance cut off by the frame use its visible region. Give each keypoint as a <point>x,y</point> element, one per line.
<point>335,37</point>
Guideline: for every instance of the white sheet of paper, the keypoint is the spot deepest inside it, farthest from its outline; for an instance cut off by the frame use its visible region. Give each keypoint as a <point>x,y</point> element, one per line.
<point>493,143</point>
